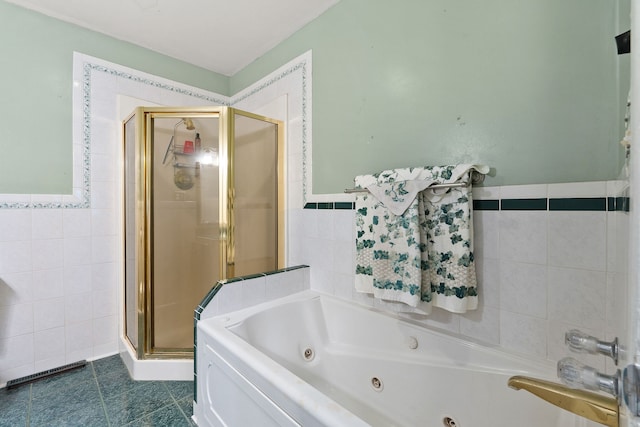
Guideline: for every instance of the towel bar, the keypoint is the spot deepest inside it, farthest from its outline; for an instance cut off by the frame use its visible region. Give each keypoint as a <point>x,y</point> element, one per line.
<point>476,178</point>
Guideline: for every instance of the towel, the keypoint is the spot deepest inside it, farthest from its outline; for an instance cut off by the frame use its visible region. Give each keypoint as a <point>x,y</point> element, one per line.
<point>414,245</point>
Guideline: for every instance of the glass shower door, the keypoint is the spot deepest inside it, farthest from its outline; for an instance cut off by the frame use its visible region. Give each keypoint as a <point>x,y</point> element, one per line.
<point>203,202</point>
<point>173,241</point>
<point>134,238</point>
<point>185,226</point>
<point>254,180</point>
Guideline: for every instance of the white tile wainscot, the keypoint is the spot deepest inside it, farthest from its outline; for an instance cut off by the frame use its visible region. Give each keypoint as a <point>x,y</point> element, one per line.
<point>549,258</point>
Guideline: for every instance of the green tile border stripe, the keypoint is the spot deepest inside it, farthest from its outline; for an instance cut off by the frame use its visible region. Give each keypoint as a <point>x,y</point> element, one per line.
<point>209,297</point>
<point>216,288</point>
<point>523,204</point>
<point>620,204</point>
<point>486,205</point>
<point>344,205</point>
<point>592,204</point>
<point>578,204</point>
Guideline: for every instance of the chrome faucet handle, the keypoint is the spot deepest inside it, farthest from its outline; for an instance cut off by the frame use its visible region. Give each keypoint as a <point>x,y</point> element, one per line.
<point>578,375</point>
<point>580,342</point>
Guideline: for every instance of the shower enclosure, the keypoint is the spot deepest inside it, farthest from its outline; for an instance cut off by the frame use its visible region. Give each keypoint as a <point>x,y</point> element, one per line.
<point>203,202</point>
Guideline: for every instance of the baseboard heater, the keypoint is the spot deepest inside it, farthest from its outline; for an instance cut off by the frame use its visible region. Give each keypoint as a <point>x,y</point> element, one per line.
<point>45,374</point>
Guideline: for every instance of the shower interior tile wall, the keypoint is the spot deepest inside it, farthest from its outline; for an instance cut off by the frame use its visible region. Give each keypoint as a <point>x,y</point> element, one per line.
<point>540,273</point>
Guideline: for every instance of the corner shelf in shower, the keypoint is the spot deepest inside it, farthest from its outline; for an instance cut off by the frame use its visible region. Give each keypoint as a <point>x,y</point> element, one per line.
<point>177,151</point>
<point>185,165</point>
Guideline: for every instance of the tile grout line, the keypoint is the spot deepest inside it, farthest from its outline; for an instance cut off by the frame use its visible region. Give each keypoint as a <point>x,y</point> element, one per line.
<point>29,405</point>
<point>175,402</point>
<point>180,409</point>
<point>104,406</point>
<point>169,408</point>
<point>146,414</point>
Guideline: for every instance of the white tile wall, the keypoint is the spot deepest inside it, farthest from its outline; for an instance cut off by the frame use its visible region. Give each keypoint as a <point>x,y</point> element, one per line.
<point>527,292</point>
<point>540,273</point>
<point>239,294</point>
<point>522,236</point>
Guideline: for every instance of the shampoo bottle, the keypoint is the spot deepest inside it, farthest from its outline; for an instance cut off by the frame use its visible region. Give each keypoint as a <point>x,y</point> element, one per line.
<point>198,143</point>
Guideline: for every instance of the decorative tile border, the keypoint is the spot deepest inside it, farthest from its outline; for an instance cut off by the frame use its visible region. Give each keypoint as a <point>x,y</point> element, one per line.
<point>82,101</point>
<point>280,74</point>
<point>618,204</point>
<point>597,204</point>
<point>148,80</point>
<point>610,204</point>
<point>84,68</point>
<point>330,205</point>
<point>571,196</point>
<point>286,79</point>
<point>216,288</point>
<point>523,204</point>
<point>578,204</point>
<point>486,205</point>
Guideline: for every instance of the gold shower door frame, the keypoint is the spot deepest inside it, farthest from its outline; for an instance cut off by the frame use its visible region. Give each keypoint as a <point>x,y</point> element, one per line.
<point>144,232</point>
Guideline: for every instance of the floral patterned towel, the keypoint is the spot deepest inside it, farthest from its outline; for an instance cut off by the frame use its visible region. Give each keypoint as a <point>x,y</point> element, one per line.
<point>423,256</point>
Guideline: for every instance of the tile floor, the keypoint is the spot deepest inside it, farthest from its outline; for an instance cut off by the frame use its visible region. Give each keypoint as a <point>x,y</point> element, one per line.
<point>99,394</point>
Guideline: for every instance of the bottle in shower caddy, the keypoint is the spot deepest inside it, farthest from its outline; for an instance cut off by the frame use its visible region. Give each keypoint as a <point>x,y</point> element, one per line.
<point>198,143</point>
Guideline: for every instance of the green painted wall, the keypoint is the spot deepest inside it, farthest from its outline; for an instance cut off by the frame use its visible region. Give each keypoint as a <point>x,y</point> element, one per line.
<point>533,88</point>
<point>36,56</point>
<point>529,87</point>
<point>623,61</point>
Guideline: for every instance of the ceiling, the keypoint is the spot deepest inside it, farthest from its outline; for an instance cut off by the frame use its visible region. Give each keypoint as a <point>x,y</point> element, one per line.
<point>219,35</point>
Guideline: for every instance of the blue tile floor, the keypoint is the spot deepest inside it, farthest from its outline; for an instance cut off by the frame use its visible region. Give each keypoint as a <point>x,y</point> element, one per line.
<point>100,394</point>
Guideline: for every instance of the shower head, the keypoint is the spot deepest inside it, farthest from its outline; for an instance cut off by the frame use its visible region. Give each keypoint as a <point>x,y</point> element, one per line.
<point>189,124</point>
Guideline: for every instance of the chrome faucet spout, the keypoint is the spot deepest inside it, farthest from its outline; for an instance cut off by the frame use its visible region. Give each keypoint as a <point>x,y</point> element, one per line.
<point>593,406</point>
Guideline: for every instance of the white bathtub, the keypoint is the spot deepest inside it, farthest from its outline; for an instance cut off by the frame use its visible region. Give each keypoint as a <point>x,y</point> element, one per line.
<point>360,369</point>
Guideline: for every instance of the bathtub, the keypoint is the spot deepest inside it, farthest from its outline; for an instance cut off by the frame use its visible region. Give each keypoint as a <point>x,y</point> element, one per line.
<point>313,360</point>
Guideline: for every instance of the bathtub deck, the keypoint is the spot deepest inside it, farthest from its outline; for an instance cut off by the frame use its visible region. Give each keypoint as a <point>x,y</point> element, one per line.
<point>317,360</point>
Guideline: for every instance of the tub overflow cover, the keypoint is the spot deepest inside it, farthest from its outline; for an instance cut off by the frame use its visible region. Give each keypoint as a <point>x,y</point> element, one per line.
<point>308,354</point>
<point>449,422</point>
